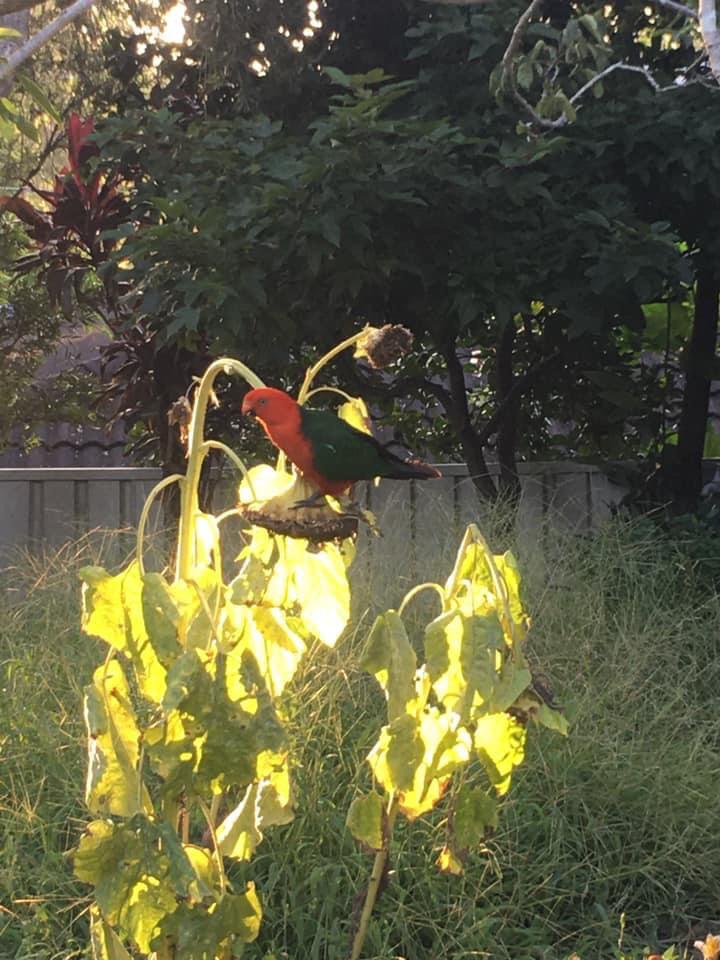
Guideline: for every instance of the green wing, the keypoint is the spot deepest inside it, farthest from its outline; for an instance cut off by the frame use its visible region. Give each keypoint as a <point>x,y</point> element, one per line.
<point>343,453</point>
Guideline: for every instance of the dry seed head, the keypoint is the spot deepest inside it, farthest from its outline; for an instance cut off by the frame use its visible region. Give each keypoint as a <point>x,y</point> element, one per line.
<point>382,346</point>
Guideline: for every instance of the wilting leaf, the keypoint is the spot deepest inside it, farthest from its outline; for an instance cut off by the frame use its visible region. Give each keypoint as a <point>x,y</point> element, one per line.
<point>106,944</point>
<point>462,656</point>
<point>512,682</point>
<point>508,569</point>
<point>113,784</point>
<point>397,754</point>
<point>553,719</point>
<point>355,412</point>
<point>268,634</point>
<point>139,870</point>
<point>390,658</point>
<point>204,864</point>
<point>322,591</point>
<point>449,863</point>
<point>365,820</point>
<point>500,743</point>
<point>238,834</point>
<point>474,813</point>
<point>415,758</point>
<point>113,611</point>
<point>161,618</point>
<point>200,932</point>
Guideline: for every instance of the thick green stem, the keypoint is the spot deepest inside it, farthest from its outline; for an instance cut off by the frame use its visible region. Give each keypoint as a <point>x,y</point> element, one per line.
<point>197,450</point>
<point>373,887</point>
<point>317,367</point>
<point>158,488</point>
<point>336,390</point>
<point>418,589</point>
<point>209,820</point>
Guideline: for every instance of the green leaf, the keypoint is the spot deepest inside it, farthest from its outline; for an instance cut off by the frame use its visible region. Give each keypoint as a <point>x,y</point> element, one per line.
<point>525,75</point>
<point>365,820</point>
<point>106,944</point>
<point>7,33</point>
<point>553,719</point>
<point>330,230</point>
<point>337,76</point>
<point>398,753</point>
<point>200,934</point>
<point>113,784</point>
<point>390,658</point>
<point>11,113</point>
<point>475,813</point>
<point>238,835</point>
<point>161,618</point>
<point>39,96</point>
<point>139,870</point>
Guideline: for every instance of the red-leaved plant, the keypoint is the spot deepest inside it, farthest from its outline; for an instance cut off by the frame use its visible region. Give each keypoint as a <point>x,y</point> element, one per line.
<point>68,229</point>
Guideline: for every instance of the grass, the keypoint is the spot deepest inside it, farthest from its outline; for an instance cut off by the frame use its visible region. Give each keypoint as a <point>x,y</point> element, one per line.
<point>610,833</point>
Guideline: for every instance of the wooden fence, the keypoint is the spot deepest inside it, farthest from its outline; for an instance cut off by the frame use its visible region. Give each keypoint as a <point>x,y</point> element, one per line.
<point>49,506</point>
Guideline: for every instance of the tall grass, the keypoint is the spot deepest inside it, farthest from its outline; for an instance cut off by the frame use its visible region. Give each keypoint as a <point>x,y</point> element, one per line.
<point>615,825</point>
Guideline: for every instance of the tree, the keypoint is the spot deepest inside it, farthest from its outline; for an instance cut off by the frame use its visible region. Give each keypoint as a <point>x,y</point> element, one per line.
<point>389,217</point>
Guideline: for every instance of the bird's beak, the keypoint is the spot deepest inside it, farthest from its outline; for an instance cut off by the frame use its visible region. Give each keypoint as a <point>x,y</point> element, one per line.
<point>246,409</point>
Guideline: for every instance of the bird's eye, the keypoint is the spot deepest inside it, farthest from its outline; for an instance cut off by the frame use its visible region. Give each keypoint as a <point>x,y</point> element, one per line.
<point>261,403</point>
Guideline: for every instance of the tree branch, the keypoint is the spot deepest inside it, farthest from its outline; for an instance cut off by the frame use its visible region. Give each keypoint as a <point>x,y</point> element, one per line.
<point>519,386</point>
<point>678,8</point>
<point>508,69</point>
<point>707,14</point>
<point>8,68</point>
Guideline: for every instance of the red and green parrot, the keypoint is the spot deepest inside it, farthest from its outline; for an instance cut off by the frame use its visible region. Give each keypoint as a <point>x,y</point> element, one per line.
<point>324,448</point>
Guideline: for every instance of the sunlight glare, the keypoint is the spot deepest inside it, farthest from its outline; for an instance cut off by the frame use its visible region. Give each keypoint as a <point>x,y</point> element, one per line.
<point>174,28</point>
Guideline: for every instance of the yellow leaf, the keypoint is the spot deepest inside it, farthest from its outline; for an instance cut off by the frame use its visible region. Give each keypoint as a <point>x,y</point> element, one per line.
<point>463,658</point>
<point>416,756</point>
<point>267,635</point>
<point>238,834</point>
<point>263,483</point>
<point>449,863</point>
<point>113,611</point>
<point>205,868</point>
<point>321,588</point>
<point>500,743</point>
<point>356,414</point>
<point>390,658</point>
<point>113,784</point>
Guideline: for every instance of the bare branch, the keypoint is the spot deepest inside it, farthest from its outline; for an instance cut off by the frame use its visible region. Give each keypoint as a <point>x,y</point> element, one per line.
<point>508,68</point>
<point>611,69</point>
<point>678,8</point>
<point>8,68</point>
<point>710,31</point>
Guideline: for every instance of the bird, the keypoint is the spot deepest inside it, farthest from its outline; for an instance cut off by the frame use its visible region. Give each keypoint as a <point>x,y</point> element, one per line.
<point>327,450</point>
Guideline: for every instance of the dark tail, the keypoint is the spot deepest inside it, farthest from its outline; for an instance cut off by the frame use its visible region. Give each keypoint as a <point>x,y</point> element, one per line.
<point>410,470</point>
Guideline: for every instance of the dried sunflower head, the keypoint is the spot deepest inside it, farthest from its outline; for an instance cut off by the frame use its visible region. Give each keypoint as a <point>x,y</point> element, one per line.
<point>381,346</point>
<point>180,414</point>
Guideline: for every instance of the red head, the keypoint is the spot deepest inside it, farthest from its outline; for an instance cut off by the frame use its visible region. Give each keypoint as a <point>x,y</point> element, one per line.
<point>272,407</point>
